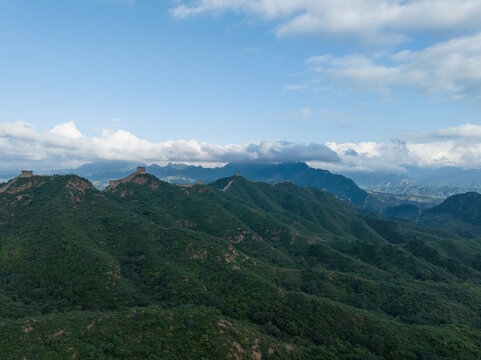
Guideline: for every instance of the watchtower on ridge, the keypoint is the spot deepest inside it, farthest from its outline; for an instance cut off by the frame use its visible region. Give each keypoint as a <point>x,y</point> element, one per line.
<point>114,183</point>
<point>26,174</point>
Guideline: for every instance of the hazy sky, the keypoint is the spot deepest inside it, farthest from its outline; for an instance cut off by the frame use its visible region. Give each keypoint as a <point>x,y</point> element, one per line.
<point>341,83</point>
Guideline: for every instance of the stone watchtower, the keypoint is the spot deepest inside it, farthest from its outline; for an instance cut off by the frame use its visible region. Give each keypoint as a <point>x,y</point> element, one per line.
<point>26,173</point>
<point>114,183</point>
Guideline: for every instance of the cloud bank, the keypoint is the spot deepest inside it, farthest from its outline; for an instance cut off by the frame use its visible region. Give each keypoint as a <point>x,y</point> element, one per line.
<point>455,146</point>
<point>22,145</point>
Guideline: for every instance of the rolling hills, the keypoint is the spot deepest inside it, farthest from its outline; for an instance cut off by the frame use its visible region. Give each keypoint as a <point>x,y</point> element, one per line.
<point>235,269</point>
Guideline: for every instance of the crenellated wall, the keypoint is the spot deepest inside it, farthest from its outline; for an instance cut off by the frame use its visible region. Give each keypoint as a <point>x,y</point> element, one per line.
<point>114,183</point>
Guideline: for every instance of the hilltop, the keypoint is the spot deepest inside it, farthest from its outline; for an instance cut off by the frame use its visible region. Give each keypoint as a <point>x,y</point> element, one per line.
<point>237,267</point>
<point>465,207</point>
<point>457,211</point>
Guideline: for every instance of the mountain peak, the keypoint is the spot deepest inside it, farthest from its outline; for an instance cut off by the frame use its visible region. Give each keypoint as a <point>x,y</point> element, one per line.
<point>25,189</point>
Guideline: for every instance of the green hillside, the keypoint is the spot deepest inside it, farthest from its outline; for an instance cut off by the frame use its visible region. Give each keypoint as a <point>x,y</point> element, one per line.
<point>465,207</point>
<point>235,269</point>
<point>459,213</point>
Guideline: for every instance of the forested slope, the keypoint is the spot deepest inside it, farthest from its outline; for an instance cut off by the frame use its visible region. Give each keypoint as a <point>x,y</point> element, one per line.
<point>235,269</point>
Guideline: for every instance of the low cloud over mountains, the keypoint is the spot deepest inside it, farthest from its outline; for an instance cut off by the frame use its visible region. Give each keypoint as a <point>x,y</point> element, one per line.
<point>21,145</point>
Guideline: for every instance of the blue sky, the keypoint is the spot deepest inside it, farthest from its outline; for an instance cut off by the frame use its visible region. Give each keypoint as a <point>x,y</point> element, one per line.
<point>338,83</point>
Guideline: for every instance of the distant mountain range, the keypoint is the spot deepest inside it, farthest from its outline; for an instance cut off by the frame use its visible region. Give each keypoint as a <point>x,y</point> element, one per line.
<point>421,176</point>
<point>99,173</point>
<point>436,184</point>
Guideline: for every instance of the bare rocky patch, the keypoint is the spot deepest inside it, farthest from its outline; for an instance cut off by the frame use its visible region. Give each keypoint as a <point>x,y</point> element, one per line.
<point>79,185</point>
<point>58,333</point>
<point>13,187</point>
<point>91,325</point>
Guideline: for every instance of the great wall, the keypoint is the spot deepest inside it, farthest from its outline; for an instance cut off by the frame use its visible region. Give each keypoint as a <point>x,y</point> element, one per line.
<point>112,183</point>
<point>23,174</point>
<point>141,171</point>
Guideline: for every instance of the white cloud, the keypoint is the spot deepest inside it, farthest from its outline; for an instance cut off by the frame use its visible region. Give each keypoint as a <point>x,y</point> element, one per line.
<point>295,87</point>
<point>455,146</point>
<point>466,132</point>
<point>374,21</point>
<point>450,69</point>
<point>21,144</point>
<point>318,59</point>
<point>67,130</point>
